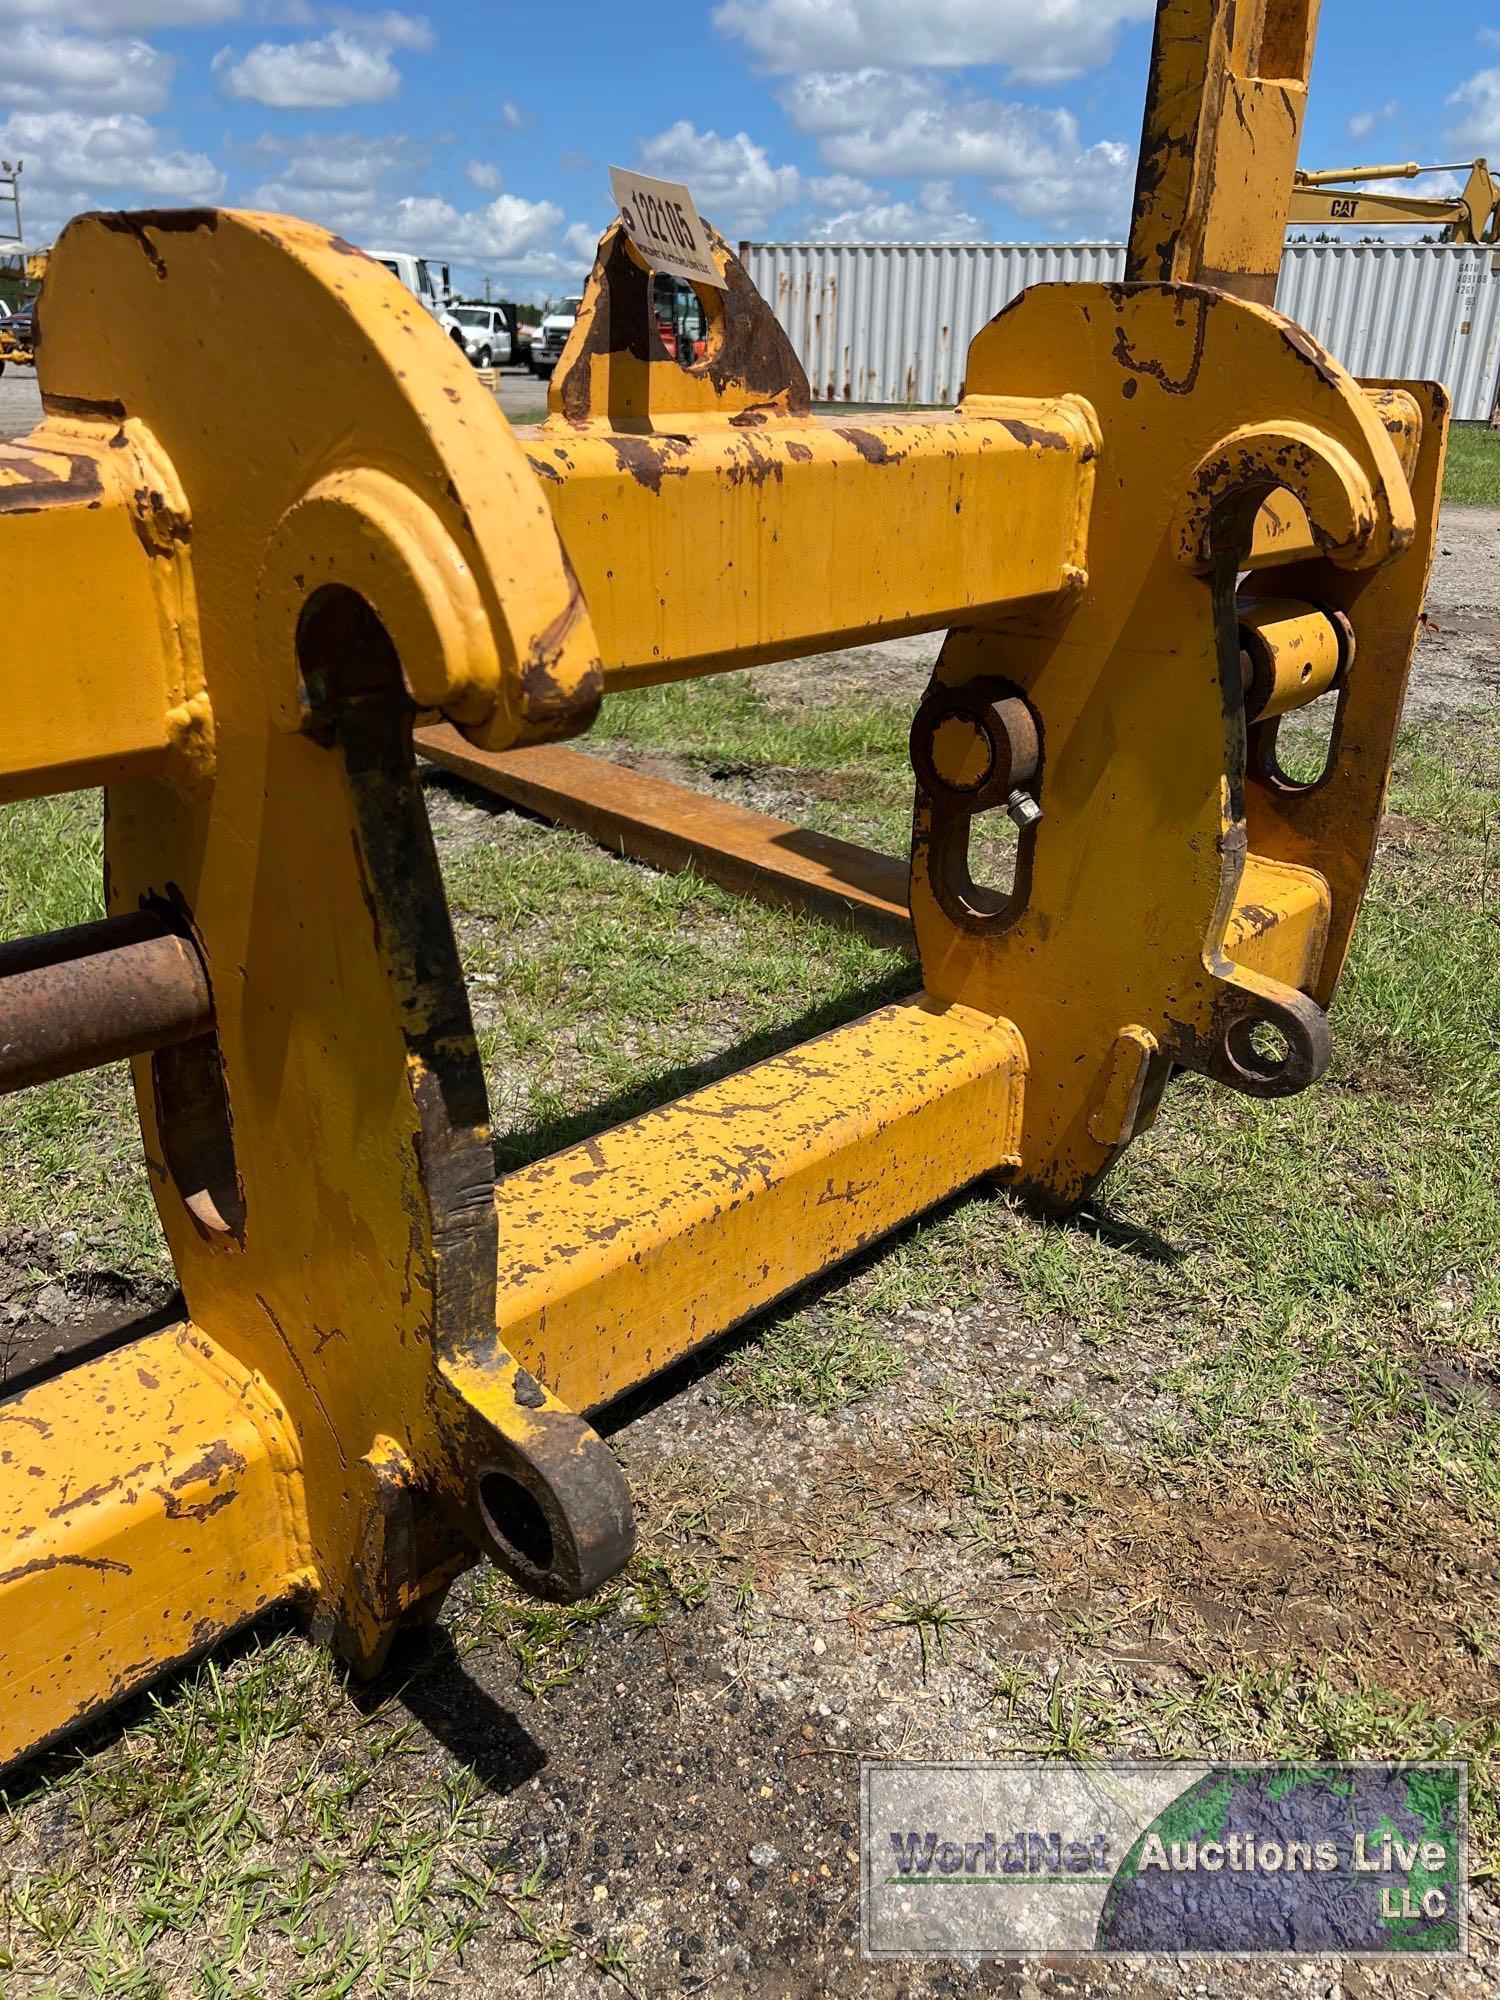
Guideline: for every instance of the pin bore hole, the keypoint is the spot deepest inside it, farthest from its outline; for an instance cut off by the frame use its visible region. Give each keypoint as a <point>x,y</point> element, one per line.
<point>1258,1048</point>
<point>514,1518</point>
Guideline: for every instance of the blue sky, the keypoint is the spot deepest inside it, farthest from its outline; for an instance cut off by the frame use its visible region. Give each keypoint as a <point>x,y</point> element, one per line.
<point>483,134</point>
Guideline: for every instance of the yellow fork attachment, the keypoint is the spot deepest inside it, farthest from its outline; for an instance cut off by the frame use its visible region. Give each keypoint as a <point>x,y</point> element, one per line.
<point>1158,521</point>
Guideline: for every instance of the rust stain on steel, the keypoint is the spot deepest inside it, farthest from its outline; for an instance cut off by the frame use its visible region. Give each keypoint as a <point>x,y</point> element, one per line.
<point>39,1563</point>
<point>649,459</point>
<point>215,1459</point>
<point>1175,385</point>
<point>100,407</point>
<point>543,699</point>
<point>1314,353</point>
<point>41,486</point>
<point>98,1492</point>
<point>177,1509</point>
<point>165,221</point>
<point>75,999</point>
<point>752,352</point>
<point>1035,434</point>
<point>754,468</point>
<point>873,450</point>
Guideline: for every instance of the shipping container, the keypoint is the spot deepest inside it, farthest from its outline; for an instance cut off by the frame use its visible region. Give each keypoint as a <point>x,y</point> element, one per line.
<point>892,322</point>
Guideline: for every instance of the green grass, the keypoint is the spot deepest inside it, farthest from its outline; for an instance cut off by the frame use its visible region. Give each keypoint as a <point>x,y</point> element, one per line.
<point>1473,471</point>
<point>70,1155</point>
<point>724,720</point>
<point>1294,1303</point>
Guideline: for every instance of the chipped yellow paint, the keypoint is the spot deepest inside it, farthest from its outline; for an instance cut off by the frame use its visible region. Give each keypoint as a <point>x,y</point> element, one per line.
<point>80,503</point>
<point>1295,651</point>
<point>149,1502</point>
<point>1225,100</point>
<point>385,1354</point>
<point>1281,533</point>
<point>176,538</point>
<point>1139,866</point>
<point>1114,1118</point>
<point>708,546</point>
<point>623,1253</point>
<point>1279,924</point>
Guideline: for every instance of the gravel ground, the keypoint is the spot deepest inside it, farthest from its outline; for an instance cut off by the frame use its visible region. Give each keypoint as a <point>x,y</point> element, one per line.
<point>694,1790</point>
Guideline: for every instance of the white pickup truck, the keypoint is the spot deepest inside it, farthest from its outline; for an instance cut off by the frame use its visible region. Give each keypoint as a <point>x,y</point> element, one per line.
<point>547,345</point>
<point>427,281</point>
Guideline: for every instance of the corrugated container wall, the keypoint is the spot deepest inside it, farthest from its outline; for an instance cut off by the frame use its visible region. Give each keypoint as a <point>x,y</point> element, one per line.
<point>892,322</point>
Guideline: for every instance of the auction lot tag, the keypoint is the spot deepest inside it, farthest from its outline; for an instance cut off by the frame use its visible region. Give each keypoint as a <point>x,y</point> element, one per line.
<point>1017,1860</point>
<point>663,223</point>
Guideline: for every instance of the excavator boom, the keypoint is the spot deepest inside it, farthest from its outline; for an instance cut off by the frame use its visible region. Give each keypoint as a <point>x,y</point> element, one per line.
<point>1334,195</point>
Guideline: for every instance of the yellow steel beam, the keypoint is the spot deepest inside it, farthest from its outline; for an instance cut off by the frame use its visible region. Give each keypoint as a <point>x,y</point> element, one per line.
<point>625,1252</point>
<point>321,1153</point>
<point>1225,100</point>
<point>1333,825</point>
<point>103,674</point>
<point>709,545</point>
<point>1278,927</point>
<point>1126,909</point>
<point>1471,216</point>
<point>150,1501</point>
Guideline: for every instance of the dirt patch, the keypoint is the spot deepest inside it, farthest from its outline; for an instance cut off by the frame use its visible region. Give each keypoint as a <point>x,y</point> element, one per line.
<point>61,1295</point>
<point>1457,668</point>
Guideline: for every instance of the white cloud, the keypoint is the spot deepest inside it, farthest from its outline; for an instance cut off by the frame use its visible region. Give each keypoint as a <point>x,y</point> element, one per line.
<point>840,190</point>
<point>1072,188</point>
<point>484,175</point>
<point>356,185</point>
<point>119,17</point>
<point>506,233</point>
<point>580,241</point>
<point>877,122</point>
<point>733,181</point>
<point>935,217</point>
<point>513,117</point>
<point>1478,101</point>
<point>504,230</point>
<point>75,161</point>
<point>1043,40</point>
<point>349,165</point>
<point>853,100</point>
<point>45,71</point>
<point>351,64</point>
<point>1363,123</point>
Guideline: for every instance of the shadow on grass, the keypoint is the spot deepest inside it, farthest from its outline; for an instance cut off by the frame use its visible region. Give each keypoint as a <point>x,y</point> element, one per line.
<point>46,1769</point>
<point>427,1676</point>
<point>523,1145</point>
<point>526,1144</point>
<point>633,1404</point>
<point>1117,1234</point>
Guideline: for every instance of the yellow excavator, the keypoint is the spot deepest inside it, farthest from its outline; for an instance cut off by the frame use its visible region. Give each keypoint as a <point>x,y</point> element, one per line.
<point>1472,216</point>
<point>22,270</point>
<point>17,327</point>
